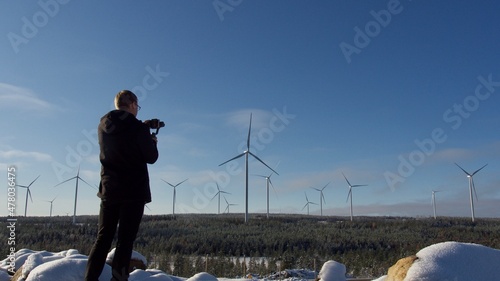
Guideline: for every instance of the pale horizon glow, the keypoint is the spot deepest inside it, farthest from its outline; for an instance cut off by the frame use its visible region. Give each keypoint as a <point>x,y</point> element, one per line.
<point>390,93</point>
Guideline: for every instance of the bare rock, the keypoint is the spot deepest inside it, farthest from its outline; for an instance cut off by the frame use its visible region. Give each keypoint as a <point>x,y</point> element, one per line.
<point>398,271</point>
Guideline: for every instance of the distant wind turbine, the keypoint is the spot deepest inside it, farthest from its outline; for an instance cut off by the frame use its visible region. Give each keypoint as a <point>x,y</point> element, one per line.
<point>246,153</point>
<point>307,204</point>
<point>219,193</point>
<point>173,199</point>
<point>28,192</point>
<point>77,177</point>
<point>434,201</point>
<point>321,197</point>
<point>51,201</point>
<point>268,183</point>
<point>228,204</point>
<point>349,195</point>
<point>471,187</point>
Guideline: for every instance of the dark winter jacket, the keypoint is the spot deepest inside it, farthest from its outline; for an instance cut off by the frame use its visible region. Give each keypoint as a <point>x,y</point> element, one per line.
<point>126,149</point>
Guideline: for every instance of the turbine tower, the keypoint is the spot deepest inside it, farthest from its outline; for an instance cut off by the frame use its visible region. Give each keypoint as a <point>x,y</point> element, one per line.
<point>434,201</point>
<point>77,177</point>
<point>321,197</point>
<point>307,204</point>
<point>218,193</point>
<point>349,195</point>
<point>471,187</point>
<point>246,153</point>
<point>28,192</point>
<point>173,199</point>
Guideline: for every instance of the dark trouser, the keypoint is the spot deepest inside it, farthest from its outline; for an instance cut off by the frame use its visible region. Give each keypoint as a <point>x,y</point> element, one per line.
<point>129,216</point>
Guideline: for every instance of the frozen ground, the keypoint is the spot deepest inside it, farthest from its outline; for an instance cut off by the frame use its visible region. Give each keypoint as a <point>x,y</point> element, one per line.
<point>442,261</point>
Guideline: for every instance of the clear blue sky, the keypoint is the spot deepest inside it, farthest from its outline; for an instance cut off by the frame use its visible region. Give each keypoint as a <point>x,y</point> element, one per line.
<point>391,93</point>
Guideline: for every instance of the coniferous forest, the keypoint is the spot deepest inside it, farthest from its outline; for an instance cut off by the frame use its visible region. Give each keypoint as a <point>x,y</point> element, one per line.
<point>225,246</point>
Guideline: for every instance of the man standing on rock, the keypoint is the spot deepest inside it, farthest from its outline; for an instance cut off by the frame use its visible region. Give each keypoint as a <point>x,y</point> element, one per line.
<point>126,147</point>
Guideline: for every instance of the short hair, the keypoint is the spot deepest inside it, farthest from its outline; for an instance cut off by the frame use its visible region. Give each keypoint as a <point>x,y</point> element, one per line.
<point>124,98</point>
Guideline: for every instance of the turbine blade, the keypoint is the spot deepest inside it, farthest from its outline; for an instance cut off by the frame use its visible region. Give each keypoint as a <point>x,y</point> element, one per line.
<point>255,156</point>
<point>346,180</point>
<point>168,183</point>
<point>215,196</point>
<point>29,193</point>
<point>463,169</point>
<point>33,181</point>
<point>349,194</point>
<point>358,185</point>
<point>86,183</point>
<point>479,169</point>
<point>474,188</point>
<point>270,182</point>
<point>249,129</point>
<point>325,186</point>
<point>65,181</point>
<point>181,182</point>
<point>224,192</point>
<point>233,158</point>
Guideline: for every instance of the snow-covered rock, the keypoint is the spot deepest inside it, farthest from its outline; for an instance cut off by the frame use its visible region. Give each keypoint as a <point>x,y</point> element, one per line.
<point>455,261</point>
<point>137,260</point>
<point>64,269</point>
<point>202,276</point>
<point>332,271</point>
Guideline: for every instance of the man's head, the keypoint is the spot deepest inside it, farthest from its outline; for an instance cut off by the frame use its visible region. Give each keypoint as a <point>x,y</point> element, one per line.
<point>126,100</point>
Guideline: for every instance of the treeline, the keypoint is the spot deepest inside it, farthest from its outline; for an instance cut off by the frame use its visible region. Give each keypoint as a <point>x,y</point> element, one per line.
<point>225,246</point>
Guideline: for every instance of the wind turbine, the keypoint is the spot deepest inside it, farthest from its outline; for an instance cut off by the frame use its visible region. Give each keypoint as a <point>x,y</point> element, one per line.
<point>349,195</point>
<point>51,201</point>
<point>471,187</point>
<point>246,153</point>
<point>307,204</point>
<point>321,197</point>
<point>28,192</point>
<point>173,200</point>
<point>218,193</point>
<point>228,204</point>
<point>77,177</point>
<point>268,182</point>
<point>434,201</point>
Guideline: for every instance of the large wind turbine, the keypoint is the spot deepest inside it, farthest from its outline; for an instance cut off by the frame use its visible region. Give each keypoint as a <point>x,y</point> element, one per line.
<point>321,197</point>
<point>349,195</point>
<point>77,177</point>
<point>173,199</point>
<point>28,192</point>
<point>434,201</point>
<point>246,153</point>
<point>471,187</point>
<point>218,193</point>
<point>307,204</point>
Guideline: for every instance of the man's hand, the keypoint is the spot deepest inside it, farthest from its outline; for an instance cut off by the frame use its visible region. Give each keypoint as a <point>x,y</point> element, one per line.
<point>153,136</point>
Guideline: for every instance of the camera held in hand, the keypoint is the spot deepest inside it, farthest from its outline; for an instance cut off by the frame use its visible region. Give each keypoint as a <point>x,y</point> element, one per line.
<point>155,124</point>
